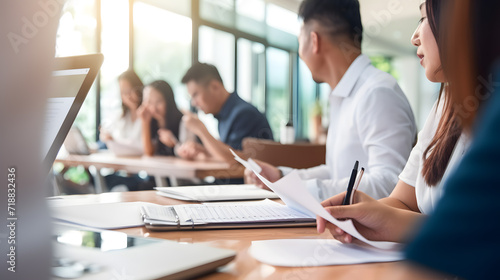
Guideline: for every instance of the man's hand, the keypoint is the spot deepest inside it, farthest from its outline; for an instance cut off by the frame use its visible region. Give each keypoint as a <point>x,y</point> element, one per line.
<point>167,137</point>
<point>193,123</point>
<point>269,172</point>
<point>191,150</point>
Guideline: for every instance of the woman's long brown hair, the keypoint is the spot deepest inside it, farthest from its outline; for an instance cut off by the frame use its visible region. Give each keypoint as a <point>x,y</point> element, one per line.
<point>437,155</point>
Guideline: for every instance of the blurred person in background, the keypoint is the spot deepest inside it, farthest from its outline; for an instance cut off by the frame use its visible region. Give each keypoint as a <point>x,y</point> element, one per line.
<point>126,127</point>
<point>162,127</point>
<point>237,118</point>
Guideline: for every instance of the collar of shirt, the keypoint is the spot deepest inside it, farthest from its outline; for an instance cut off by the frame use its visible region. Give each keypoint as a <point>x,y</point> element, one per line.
<point>228,105</point>
<point>351,76</point>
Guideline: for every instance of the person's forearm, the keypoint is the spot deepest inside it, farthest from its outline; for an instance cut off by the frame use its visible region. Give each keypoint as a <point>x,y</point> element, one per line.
<point>216,148</point>
<point>405,224</point>
<point>396,203</point>
<point>146,139</point>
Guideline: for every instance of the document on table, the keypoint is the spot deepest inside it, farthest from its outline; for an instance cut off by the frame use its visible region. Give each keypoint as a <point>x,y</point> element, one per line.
<point>317,252</point>
<point>216,193</point>
<point>123,149</point>
<point>292,190</point>
<point>102,215</point>
<point>248,214</point>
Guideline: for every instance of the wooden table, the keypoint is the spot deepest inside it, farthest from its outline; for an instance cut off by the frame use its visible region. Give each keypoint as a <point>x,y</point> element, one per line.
<point>158,166</point>
<point>244,266</point>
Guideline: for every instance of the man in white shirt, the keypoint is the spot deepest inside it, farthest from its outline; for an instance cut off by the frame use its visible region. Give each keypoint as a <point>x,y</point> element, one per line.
<point>370,118</point>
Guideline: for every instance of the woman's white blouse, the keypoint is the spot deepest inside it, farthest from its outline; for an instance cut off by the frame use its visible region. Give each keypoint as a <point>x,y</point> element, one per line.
<point>427,196</point>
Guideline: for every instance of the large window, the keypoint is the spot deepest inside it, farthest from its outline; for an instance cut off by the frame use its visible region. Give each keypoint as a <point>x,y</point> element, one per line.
<point>251,42</point>
<point>279,91</point>
<point>115,48</point>
<point>252,73</point>
<point>307,106</point>
<point>218,11</point>
<point>77,35</point>
<point>217,47</point>
<point>251,16</point>
<point>162,47</point>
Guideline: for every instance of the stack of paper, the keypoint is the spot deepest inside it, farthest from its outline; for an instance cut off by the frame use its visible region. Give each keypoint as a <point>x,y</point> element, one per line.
<point>101,215</point>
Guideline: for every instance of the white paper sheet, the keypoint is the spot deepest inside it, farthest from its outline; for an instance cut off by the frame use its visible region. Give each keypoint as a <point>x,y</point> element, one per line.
<point>317,252</point>
<point>292,190</point>
<point>216,192</point>
<point>124,150</point>
<point>102,215</point>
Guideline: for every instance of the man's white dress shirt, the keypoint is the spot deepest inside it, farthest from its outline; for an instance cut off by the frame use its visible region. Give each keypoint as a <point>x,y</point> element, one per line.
<point>370,121</point>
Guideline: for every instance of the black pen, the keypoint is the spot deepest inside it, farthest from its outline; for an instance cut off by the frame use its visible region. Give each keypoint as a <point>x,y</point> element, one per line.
<point>352,180</point>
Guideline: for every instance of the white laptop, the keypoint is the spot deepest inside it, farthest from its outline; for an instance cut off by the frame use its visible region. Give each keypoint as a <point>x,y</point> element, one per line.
<point>75,143</point>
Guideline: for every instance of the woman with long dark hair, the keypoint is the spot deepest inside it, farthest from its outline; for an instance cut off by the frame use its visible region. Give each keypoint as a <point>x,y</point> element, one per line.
<point>161,119</point>
<point>440,147</point>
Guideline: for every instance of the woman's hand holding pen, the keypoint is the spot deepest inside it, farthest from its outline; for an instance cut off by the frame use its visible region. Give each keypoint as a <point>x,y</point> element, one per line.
<point>374,220</point>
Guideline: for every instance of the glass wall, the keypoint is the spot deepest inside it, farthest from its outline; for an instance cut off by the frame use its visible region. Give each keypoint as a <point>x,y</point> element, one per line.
<point>218,11</point>
<point>77,35</point>
<point>162,47</point>
<point>217,47</point>
<point>252,73</point>
<point>279,92</point>
<point>251,16</point>
<point>115,48</point>
<point>308,106</point>
<point>251,42</point>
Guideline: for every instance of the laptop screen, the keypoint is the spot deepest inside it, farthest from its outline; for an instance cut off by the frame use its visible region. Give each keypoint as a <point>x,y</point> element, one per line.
<point>72,78</point>
<point>64,88</point>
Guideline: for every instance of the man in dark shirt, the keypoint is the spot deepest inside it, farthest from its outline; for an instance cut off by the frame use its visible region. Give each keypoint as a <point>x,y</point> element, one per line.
<point>237,118</point>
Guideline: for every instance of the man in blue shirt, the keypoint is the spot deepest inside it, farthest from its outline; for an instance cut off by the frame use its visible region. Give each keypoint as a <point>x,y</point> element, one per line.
<point>237,118</point>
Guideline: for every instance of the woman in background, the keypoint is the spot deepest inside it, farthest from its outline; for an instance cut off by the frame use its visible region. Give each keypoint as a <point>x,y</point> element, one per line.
<point>161,119</point>
<point>126,128</point>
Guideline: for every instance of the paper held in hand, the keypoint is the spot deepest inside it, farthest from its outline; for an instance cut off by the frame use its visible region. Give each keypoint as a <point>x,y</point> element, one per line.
<point>293,192</point>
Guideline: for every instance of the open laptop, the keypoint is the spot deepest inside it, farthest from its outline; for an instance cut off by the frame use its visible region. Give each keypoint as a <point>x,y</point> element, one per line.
<point>75,143</point>
<point>72,78</point>
<point>112,254</point>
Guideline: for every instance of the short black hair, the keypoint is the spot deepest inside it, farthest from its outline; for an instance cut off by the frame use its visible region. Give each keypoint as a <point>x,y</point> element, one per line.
<point>338,16</point>
<point>202,73</point>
